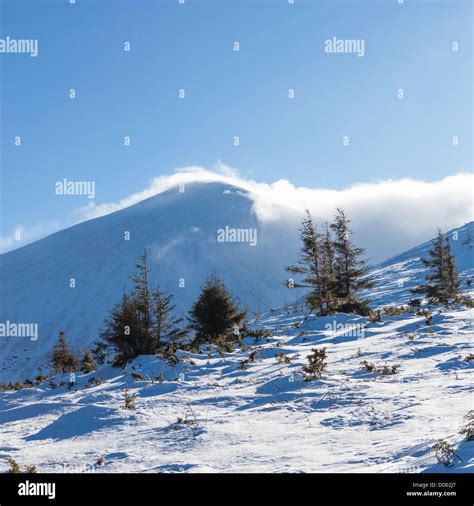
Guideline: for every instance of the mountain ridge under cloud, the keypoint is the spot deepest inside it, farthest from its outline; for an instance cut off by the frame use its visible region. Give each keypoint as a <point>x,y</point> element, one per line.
<point>388,216</point>
<point>180,231</point>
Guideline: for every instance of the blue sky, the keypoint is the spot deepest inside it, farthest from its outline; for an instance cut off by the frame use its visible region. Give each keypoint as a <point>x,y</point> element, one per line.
<point>228,94</point>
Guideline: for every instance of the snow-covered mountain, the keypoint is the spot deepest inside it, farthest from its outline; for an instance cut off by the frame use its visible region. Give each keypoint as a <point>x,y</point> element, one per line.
<point>223,412</point>
<point>181,231</point>
<point>69,280</point>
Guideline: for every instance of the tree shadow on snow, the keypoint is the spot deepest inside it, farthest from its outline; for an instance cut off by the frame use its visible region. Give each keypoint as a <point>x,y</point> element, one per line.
<point>77,423</point>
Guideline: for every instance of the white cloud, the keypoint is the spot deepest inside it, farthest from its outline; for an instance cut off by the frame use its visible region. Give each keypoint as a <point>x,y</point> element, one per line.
<point>387,216</point>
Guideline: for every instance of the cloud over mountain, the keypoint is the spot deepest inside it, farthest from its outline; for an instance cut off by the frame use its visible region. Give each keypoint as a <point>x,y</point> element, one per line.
<point>388,216</point>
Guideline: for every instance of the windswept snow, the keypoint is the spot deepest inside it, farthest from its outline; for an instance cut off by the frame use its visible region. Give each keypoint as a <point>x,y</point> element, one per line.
<point>180,232</point>
<point>249,410</point>
<point>396,276</point>
<point>70,280</point>
<point>208,413</point>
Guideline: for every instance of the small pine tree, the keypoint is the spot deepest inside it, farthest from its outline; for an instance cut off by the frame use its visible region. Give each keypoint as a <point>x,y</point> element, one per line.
<point>316,363</point>
<point>443,284</point>
<point>454,283</point>
<point>122,331</point>
<point>142,303</point>
<point>350,270</point>
<point>99,352</point>
<point>63,360</point>
<point>309,264</point>
<point>142,321</point>
<point>214,315</point>
<point>88,363</point>
<point>328,272</point>
<point>165,327</point>
<point>468,240</point>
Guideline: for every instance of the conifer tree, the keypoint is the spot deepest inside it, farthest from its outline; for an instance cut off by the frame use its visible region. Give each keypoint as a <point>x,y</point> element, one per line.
<point>122,330</point>
<point>99,351</point>
<point>214,315</point>
<point>316,266</point>
<point>443,282</point>
<point>142,321</point>
<point>328,272</point>
<point>142,303</point>
<point>349,268</point>
<point>468,240</point>
<point>454,283</point>
<point>166,327</point>
<point>88,363</point>
<point>63,360</point>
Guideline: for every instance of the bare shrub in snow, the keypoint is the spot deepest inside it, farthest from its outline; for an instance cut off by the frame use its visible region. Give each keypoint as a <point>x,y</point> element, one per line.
<point>129,400</point>
<point>40,378</point>
<point>16,468</point>
<point>423,312</point>
<point>224,347</point>
<point>257,334</point>
<point>15,386</point>
<point>138,377</point>
<point>189,419</point>
<point>159,377</point>
<point>389,369</point>
<point>251,358</point>
<point>466,300</point>
<point>168,354</point>
<point>368,366</point>
<point>395,310</point>
<point>375,317</point>
<point>95,381</point>
<point>282,358</point>
<point>410,336</point>
<point>385,369</point>
<point>244,364</point>
<point>413,303</point>
<point>360,307</point>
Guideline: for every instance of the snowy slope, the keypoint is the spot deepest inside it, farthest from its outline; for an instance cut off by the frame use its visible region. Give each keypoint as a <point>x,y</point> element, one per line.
<point>208,414</point>
<point>396,276</point>
<point>179,231</point>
